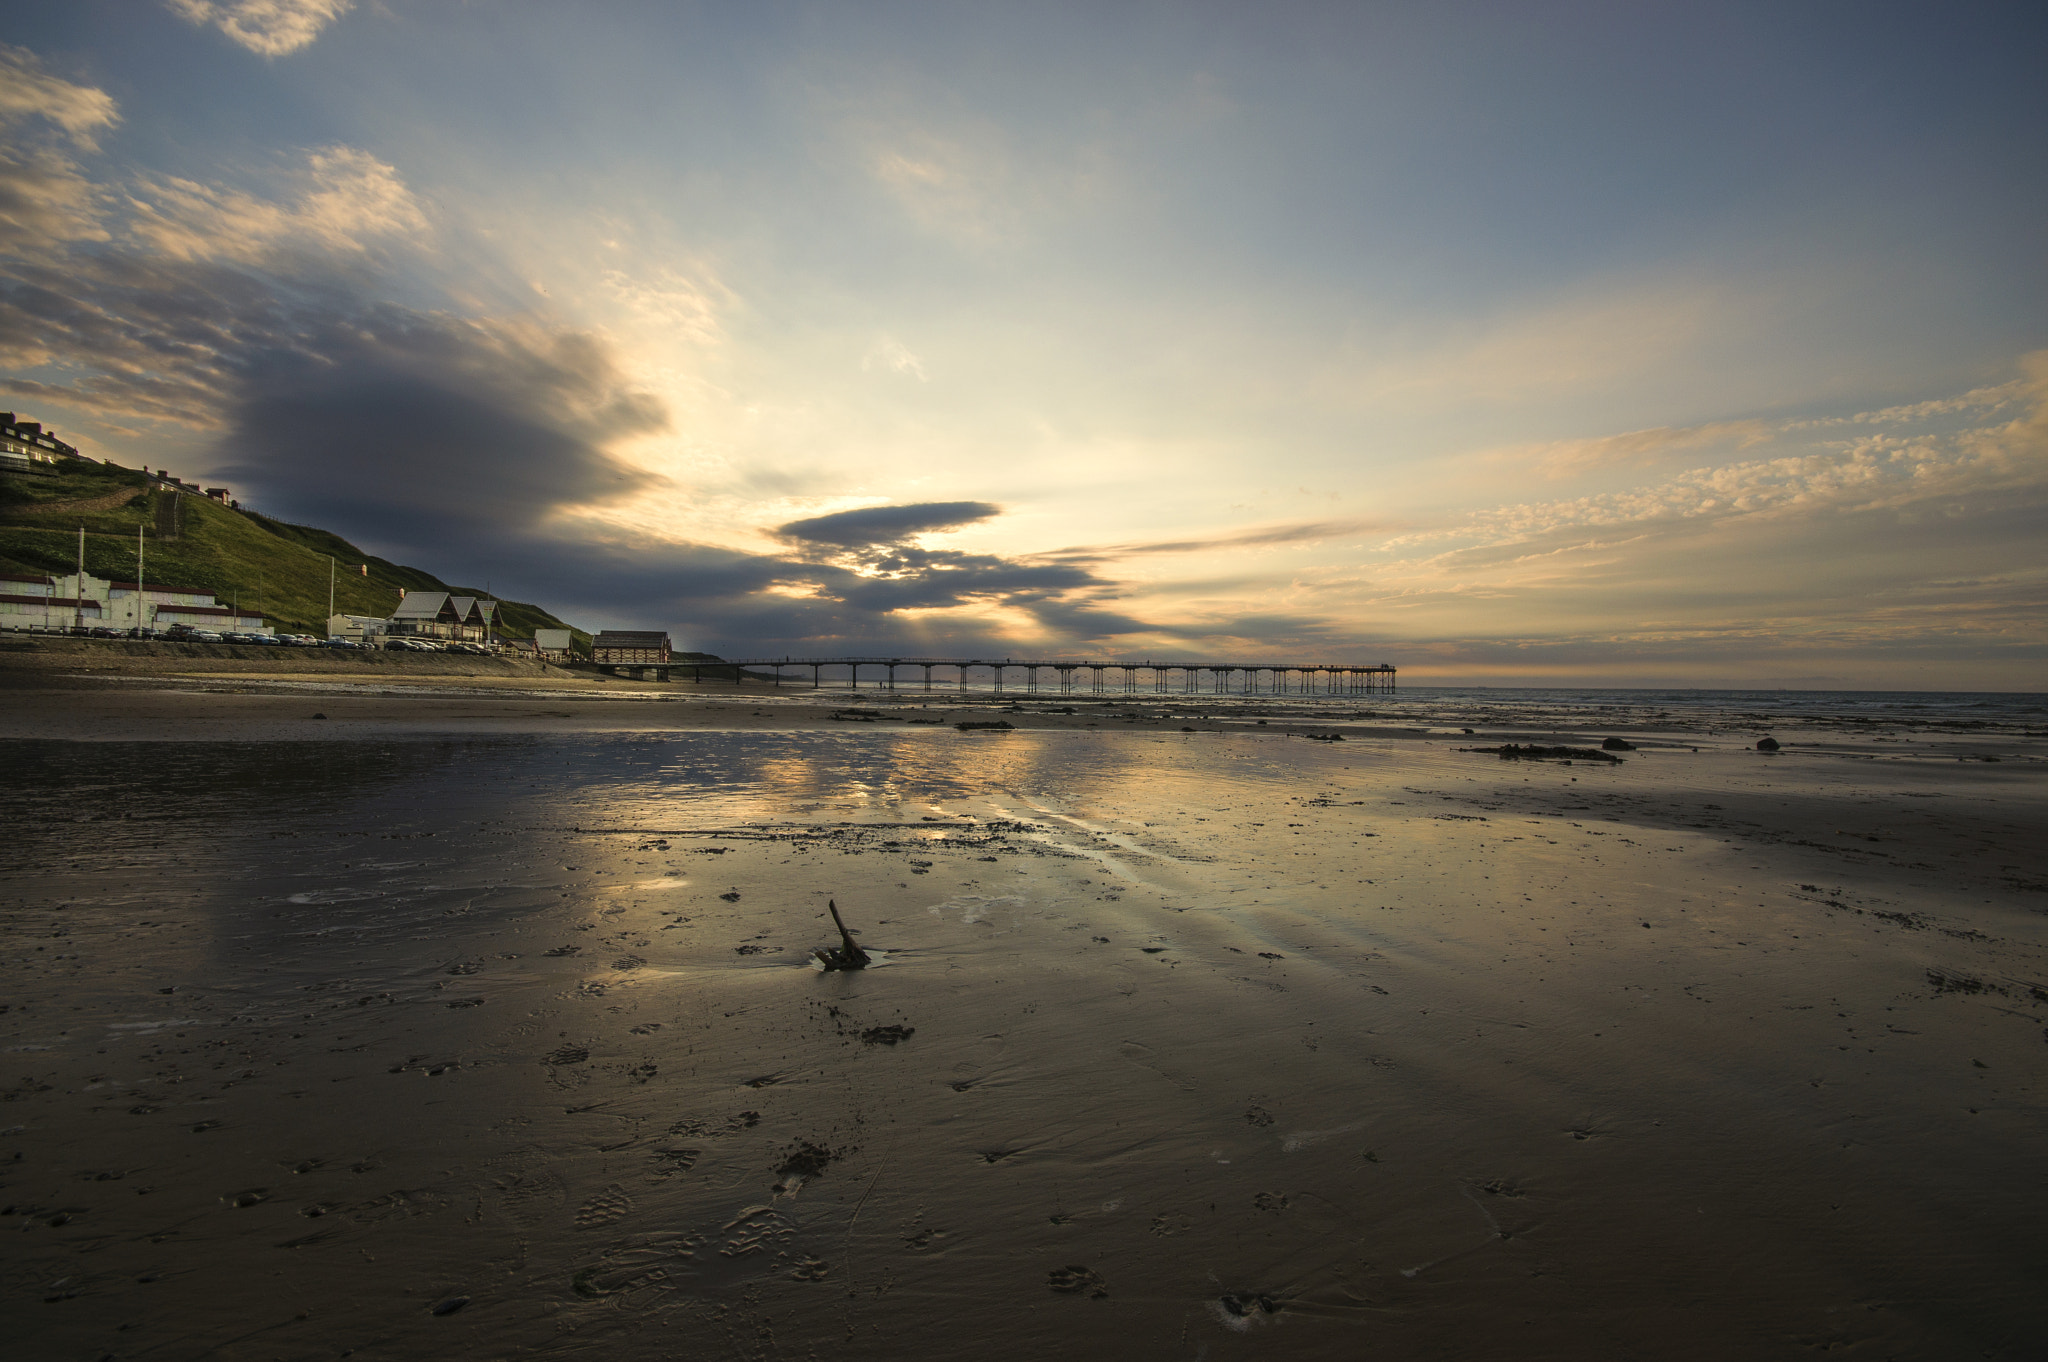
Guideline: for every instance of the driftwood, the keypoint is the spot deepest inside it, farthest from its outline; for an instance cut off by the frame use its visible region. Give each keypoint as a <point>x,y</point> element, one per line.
<point>849,955</point>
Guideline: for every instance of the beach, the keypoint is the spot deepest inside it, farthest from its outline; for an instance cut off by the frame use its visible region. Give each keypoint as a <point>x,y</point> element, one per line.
<point>422,1014</point>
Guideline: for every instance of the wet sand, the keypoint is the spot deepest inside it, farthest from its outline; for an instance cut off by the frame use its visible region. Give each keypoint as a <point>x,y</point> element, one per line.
<point>449,1026</point>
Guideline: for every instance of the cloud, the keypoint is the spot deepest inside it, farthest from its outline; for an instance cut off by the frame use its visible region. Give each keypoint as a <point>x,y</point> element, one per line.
<point>182,287</point>
<point>269,28</point>
<point>1627,330</point>
<point>28,91</point>
<point>886,524</point>
<point>481,447</point>
<point>45,199</point>
<point>449,431</point>
<point>1640,448</point>
<point>1984,399</point>
<point>947,189</point>
<point>45,203</point>
<point>344,200</point>
<point>1896,554</point>
<point>1872,470</point>
<point>1279,534</point>
<point>261,321</point>
<point>893,355</point>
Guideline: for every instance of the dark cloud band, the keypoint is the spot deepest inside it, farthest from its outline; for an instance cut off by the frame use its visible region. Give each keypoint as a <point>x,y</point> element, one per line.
<point>886,524</point>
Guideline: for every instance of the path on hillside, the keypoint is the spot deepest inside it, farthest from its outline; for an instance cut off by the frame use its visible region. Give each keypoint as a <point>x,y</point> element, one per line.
<point>109,502</point>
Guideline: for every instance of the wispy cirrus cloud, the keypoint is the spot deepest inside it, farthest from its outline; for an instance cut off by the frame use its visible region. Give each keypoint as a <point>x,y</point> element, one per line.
<point>1639,448</point>
<point>46,200</point>
<point>342,200</point>
<point>1873,469</point>
<point>28,90</point>
<point>269,28</point>
<point>1308,533</point>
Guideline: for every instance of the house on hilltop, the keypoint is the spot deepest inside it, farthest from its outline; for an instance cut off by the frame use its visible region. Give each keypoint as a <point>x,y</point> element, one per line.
<point>25,447</point>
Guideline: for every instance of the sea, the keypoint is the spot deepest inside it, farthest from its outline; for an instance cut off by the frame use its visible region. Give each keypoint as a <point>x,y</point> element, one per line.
<point>1456,707</point>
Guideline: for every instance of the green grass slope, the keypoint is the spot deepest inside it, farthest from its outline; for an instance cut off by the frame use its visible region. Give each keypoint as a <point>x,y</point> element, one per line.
<point>241,557</point>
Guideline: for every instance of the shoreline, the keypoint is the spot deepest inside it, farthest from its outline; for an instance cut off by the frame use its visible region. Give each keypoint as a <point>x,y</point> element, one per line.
<point>64,697</point>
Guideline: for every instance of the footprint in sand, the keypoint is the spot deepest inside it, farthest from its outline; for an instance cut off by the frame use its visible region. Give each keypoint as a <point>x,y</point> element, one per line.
<point>609,1205</point>
<point>529,1197</point>
<point>1076,1280</point>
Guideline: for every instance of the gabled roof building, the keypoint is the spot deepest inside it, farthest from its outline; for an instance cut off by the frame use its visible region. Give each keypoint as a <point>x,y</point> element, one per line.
<point>631,647</point>
<point>441,614</point>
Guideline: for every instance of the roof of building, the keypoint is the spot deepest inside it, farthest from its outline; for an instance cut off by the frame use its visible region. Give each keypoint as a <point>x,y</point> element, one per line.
<point>26,577</point>
<point>421,605</point>
<point>632,638</point>
<point>33,432</point>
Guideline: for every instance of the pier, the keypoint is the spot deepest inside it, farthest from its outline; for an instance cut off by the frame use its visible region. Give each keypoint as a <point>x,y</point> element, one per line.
<point>1070,677</point>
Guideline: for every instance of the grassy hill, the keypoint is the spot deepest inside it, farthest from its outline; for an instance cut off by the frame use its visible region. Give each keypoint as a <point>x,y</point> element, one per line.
<point>239,556</point>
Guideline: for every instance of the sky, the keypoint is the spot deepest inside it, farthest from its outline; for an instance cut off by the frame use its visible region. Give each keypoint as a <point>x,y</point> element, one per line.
<point>1637,344</point>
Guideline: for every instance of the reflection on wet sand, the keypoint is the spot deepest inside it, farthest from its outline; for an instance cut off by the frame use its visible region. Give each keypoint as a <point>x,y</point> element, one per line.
<point>1208,1045</point>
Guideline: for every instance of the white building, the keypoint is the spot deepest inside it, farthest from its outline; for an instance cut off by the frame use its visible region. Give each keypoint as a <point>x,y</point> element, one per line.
<point>357,628</point>
<point>29,601</point>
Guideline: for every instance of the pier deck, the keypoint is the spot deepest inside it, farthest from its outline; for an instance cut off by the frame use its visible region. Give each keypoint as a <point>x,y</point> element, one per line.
<point>1068,676</point>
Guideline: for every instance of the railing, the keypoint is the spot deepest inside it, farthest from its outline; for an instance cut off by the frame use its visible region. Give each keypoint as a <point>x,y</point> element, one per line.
<point>1221,677</point>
